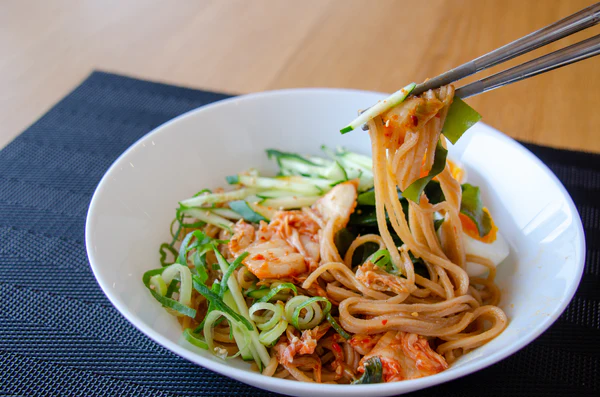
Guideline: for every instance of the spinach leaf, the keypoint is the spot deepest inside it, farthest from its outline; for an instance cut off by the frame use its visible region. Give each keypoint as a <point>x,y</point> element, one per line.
<point>373,372</point>
<point>413,192</point>
<point>459,119</point>
<point>343,239</point>
<point>472,206</point>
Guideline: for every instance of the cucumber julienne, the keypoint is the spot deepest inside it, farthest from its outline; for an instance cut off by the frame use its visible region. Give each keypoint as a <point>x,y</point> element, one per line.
<point>380,107</point>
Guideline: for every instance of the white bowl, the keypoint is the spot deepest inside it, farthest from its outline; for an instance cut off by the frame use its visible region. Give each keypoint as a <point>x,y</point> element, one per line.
<point>132,208</point>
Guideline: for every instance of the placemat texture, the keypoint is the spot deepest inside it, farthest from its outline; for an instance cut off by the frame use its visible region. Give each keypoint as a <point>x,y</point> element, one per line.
<point>60,336</point>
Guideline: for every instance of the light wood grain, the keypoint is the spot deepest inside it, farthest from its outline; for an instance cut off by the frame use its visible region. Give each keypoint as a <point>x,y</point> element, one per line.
<point>48,47</point>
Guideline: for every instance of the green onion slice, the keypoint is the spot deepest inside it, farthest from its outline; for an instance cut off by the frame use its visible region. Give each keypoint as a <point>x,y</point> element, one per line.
<point>231,268</point>
<point>337,327</point>
<point>270,337</point>
<point>275,290</point>
<point>175,306</point>
<point>218,303</point>
<point>313,315</point>
<point>266,322</point>
<point>195,339</point>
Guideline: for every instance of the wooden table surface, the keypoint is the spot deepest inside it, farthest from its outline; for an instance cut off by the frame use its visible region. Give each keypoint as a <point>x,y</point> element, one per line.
<point>48,47</point>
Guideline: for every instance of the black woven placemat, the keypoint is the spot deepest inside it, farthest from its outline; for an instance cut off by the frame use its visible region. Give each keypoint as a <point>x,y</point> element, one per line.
<point>60,336</point>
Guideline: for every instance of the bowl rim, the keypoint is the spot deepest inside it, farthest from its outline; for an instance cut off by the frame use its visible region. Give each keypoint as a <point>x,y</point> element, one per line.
<point>284,385</point>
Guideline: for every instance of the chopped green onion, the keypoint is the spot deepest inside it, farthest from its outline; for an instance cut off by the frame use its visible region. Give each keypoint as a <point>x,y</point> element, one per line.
<point>173,287</point>
<point>159,284</point>
<point>275,290</point>
<point>314,314</point>
<point>195,339</point>
<point>236,264</point>
<point>337,327</point>
<point>212,319</point>
<point>218,302</point>
<point>265,322</point>
<point>270,337</point>
<point>185,281</point>
<point>382,259</point>
<point>168,303</point>
<point>262,357</point>
<point>163,255</point>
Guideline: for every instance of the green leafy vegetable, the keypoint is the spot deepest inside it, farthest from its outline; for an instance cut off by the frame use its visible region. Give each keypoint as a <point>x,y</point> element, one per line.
<point>472,206</point>
<point>419,266</point>
<point>373,372</point>
<point>364,216</point>
<point>413,192</point>
<point>363,252</point>
<point>460,118</point>
<point>368,198</point>
<point>434,192</point>
<point>232,179</point>
<point>343,239</point>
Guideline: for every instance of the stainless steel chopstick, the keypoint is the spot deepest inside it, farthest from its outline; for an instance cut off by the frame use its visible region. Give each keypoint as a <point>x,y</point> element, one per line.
<point>577,52</point>
<point>581,20</point>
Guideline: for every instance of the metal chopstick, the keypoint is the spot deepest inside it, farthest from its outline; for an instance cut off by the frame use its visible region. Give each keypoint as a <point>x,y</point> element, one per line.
<point>577,52</point>
<point>581,20</point>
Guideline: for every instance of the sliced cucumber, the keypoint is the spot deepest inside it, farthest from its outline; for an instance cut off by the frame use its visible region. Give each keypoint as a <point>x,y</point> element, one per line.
<point>267,194</point>
<point>207,216</point>
<point>356,166</point>
<point>380,107</point>
<point>294,164</point>
<point>226,213</point>
<point>267,212</point>
<point>354,159</point>
<point>289,202</point>
<point>299,184</point>
<point>335,172</point>
<point>214,198</point>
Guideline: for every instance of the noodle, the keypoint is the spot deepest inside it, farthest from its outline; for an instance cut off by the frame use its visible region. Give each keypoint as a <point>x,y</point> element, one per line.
<point>415,301</point>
